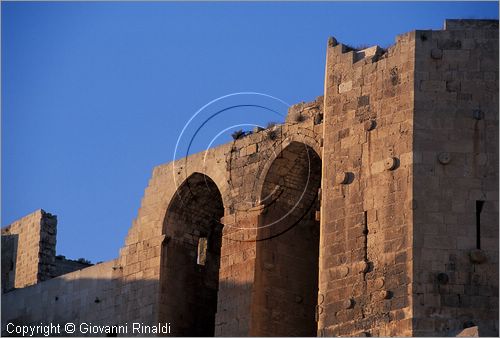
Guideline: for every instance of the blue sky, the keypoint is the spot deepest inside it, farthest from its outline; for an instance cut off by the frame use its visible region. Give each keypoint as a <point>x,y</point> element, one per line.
<point>94,95</point>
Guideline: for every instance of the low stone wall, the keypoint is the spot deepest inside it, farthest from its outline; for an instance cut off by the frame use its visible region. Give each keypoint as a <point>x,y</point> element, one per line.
<point>64,265</point>
<point>90,295</point>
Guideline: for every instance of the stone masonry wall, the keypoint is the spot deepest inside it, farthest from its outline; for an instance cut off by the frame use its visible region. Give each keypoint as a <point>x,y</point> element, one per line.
<point>456,179</point>
<point>286,278</point>
<point>397,227</point>
<point>34,239</point>
<point>9,252</point>
<point>366,215</point>
<point>190,275</point>
<point>236,169</point>
<point>64,266</point>
<point>91,295</point>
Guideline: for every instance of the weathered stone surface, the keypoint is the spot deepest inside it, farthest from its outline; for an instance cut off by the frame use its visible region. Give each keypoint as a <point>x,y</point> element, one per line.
<point>469,332</point>
<point>368,265</point>
<point>448,228</point>
<point>342,178</point>
<point>477,256</point>
<point>370,125</point>
<point>437,53</point>
<point>345,87</point>
<point>444,158</point>
<point>390,163</point>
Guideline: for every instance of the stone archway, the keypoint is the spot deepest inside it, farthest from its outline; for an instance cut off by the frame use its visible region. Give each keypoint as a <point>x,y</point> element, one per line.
<point>286,279</point>
<point>189,276</point>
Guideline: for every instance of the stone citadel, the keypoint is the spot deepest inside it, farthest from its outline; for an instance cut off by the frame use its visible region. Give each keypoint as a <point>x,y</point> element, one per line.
<point>372,211</point>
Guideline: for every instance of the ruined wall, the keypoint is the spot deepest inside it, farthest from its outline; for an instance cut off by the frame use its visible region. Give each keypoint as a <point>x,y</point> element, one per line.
<point>394,214</point>
<point>29,252</point>
<point>238,170</point>
<point>32,241</point>
<point>91,295</point>
<point>456,179</point>
<point>366,216</point>
<point>63,266</point>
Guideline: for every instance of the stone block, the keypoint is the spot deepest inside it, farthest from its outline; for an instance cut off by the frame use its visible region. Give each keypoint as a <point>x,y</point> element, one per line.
<point>432,86</point>
<point>345,87</point>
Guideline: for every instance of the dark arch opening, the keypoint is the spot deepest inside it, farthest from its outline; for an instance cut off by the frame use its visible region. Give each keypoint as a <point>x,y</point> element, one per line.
<point>288,245</point>
<point>191,258</point>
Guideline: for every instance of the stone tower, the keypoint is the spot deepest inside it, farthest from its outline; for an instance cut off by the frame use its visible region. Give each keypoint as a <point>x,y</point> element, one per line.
<point>416,127</point>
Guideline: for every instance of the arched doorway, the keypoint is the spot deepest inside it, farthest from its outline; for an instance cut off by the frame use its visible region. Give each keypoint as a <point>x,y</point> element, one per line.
<point>288,245</point>
<point>191,258</point>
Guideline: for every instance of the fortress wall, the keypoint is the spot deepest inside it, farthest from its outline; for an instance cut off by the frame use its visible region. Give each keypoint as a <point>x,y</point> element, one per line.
<point>91,295</point>
<point>238,171</point>
<point>241,262</point>
<point>365,282</point>
<point>145,245</point>
<point>386,230</point>
<point>456,170</point>
<point>133,279</point>
<point>286,278</point>
<point>32,246</point>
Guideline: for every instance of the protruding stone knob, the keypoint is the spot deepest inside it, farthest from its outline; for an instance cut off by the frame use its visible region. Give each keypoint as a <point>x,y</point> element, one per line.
<point>344,271</point>
<point>342,178</point>
<point>437,53</point>
<point>443,278</point>
<point>444,158</point>
<point>364,267</point>
<point>379,283</point>
<point>477,256</point>
<point>386,294</point>
<point>370,125</point>
<point>348,303</point>
<point>391,163</point>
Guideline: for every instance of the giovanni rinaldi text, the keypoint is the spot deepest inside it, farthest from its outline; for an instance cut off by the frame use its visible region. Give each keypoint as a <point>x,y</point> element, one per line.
<point>46,330</point>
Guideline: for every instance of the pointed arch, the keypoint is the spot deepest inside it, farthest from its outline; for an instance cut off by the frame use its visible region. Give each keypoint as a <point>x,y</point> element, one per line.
<point>189,275</point>
<point>287,266</point>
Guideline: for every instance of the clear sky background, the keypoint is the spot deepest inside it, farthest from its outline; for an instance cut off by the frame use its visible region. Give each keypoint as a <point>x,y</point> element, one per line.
<point>94,95</point>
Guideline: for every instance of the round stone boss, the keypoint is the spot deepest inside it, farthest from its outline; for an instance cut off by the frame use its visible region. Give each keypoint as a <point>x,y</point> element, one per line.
<point>444,158</point>
<point>390,163</point>
<point>370,125</point>
<point>348,303</point>
<point>342,178</point>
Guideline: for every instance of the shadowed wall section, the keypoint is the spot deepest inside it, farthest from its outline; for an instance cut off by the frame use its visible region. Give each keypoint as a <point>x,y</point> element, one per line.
<point>456,145</point>
<point>189,274</point>
<point>286,282</point>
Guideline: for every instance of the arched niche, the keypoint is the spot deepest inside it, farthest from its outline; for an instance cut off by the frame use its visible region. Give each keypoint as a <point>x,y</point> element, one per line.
<point>189,276</point>
<point>286,282</point>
